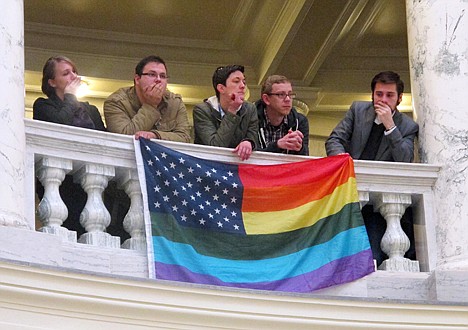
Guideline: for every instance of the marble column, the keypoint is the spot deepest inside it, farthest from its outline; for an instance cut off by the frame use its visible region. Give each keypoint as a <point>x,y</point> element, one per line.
<point>12,137</point>
<point>438,56</point>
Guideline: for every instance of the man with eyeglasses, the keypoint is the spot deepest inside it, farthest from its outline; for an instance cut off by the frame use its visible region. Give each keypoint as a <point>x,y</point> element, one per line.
<point>147,109</point>
<point>281,128</point>
<point>226,119</point>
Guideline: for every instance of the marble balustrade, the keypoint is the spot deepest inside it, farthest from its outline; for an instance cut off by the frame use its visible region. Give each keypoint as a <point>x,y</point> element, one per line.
<point>95,158</point>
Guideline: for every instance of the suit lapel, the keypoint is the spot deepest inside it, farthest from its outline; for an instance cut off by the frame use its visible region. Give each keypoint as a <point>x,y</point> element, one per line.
<point>382,148</point>
<point>384,144</point>
<point>366,127</point>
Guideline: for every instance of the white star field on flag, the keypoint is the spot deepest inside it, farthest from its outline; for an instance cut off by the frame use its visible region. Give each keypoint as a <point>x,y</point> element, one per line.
<point>198,193</point>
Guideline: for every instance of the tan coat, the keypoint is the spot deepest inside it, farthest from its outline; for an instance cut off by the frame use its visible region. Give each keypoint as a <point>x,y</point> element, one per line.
<point>125,114</point>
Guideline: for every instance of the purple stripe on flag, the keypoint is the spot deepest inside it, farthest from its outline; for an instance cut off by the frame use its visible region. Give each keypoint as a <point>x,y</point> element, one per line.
<point>339,271</point>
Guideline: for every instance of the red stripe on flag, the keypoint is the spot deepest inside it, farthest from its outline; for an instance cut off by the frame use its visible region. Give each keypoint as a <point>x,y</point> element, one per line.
<point>286,186</point>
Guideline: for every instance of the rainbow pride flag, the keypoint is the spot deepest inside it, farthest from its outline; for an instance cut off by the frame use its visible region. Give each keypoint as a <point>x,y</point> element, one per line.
<point>293,227</point>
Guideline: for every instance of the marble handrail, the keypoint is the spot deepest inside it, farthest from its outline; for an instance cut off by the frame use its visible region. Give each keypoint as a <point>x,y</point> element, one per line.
<point>95,157</point>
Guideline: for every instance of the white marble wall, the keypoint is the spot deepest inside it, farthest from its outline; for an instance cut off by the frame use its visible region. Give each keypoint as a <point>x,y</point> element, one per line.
<point>438,53</point>
<point>12,138</point>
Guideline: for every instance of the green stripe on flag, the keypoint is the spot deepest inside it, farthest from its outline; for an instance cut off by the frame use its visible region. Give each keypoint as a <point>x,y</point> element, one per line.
<point>256,247</point>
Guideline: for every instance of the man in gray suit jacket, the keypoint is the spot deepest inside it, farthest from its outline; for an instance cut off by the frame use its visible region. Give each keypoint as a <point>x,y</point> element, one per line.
<point>377,131</point>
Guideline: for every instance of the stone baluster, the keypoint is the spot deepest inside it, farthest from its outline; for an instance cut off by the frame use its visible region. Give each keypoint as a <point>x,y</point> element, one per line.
<point>52,211</point>
<point>395,243</point>
<point>134,222</point>
<point>363,198</point>
<point>95,218</point>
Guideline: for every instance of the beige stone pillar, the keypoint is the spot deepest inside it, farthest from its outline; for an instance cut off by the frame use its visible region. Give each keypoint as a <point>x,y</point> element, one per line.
<point>438,54</point>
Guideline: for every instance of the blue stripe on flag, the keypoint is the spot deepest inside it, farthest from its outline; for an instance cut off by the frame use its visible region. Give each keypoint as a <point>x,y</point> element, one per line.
<point>240,271</point>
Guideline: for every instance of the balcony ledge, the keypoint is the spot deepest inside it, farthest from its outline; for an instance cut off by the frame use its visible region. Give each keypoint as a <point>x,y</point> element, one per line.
<point>61,284</point>
<point>34,294</point>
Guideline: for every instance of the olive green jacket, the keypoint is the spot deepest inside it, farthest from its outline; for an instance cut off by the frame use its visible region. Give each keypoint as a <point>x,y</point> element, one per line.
<point>125,114</point>
<point>213,129</point>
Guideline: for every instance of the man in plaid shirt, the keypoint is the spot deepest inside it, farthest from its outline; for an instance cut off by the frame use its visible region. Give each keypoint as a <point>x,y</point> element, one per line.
<point>281,128</point>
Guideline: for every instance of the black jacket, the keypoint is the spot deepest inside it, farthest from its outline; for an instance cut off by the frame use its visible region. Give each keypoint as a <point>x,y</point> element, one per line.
<point>65,112</point>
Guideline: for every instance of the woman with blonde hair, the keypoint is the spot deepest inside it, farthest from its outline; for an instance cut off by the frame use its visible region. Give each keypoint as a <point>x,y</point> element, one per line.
<point>60,82</point>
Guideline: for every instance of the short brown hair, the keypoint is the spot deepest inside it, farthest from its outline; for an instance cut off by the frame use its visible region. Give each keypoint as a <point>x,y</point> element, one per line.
<point>388,77</point>
<point>267,86</point>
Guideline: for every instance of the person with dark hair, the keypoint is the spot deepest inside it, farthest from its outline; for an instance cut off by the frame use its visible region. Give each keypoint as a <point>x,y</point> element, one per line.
<point>226,119</point>
<point>378,131</point>
<point>148,109</point>
<point>60,82</point>
<point>281,128</point>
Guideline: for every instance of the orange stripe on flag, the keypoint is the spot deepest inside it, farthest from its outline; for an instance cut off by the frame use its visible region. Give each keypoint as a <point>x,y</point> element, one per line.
<point>292,186</point>
<point>303,216</point>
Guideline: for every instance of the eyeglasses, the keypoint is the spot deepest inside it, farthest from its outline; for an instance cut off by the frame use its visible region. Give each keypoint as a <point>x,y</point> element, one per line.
<point>284,95</point>
<point>153,75</point>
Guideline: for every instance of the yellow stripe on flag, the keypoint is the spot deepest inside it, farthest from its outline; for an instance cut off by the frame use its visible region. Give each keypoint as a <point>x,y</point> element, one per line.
<point>303,216</point>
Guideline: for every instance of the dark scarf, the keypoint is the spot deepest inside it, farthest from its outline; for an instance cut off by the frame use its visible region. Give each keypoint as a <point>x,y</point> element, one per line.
<point>81,118</point>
